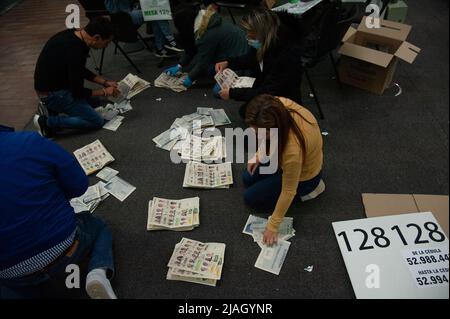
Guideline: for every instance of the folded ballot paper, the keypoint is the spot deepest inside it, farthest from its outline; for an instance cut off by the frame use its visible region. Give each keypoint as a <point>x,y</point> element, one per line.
<point>93,157</point>
<point>90,200</point>
<point>229,79</point>
<point>270,259</point>
<point>196,262</point>
<point>171,214</point>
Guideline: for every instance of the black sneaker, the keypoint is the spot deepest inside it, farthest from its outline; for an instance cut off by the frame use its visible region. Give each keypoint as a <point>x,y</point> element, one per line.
<point>42,109</point>
<point>172,45</point>
<point>163,53</point>
<point>40,122</point>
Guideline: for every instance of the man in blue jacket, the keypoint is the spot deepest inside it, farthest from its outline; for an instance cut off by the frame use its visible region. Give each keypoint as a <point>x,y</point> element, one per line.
<point>39,232</point>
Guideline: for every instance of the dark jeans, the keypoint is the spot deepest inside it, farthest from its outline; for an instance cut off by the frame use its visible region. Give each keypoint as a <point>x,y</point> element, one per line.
<point>78,113</point>
<point>95,242</point>
<point>263,190</point>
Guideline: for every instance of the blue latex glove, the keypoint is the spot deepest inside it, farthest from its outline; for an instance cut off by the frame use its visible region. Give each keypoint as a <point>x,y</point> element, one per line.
<point>173,70</point>
<point>187,82</point>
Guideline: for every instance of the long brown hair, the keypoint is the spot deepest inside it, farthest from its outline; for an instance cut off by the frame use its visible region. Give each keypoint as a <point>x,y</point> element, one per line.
<point>265,24</point>
<point>267,111</point>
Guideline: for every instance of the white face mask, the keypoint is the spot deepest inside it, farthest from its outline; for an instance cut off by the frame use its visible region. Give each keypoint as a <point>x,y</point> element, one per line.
<point>198,20</point>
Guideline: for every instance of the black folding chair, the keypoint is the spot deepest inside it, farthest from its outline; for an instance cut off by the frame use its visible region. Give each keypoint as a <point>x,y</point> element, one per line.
<point>324,39</point>
<point>237,4</point>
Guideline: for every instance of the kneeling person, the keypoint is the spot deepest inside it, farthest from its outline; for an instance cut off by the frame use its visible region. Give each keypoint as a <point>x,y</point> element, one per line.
<point>299,154</point>
<point>59,79</point>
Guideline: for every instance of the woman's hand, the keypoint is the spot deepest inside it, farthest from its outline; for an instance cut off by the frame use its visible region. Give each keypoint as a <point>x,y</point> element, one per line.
<point>253,164</point>
<point>220,66</point>
<point>225,94</point>
<point>270,237</point>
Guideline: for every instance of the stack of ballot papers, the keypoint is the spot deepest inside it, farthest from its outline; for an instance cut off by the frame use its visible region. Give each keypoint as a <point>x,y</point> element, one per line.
<point>270,259</point>
<point>199,149</point>
<point>199,175</point>
<point>174,83</point>
<point>171,214</point>
<point>90,200</point>
<point>205,119</point>
<point>197,262</point>
<point>129,87</point>
<point>229,79</point>
<point>119,188</point>
<point>297,8</point>
<point>93,157</point>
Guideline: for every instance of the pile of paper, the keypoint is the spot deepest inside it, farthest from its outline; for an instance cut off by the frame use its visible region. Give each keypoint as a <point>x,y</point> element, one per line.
<point>199,149</point>
<point>90,200</point>
<point>93,157</point>
<point>174,83</point>
<point>178,133</point>
<point>199,175</point>
<point>228,79</point>
<point>197,262</point>
<point>129,87</point>
<point>270,259</point>
<point>297,8</point>
<point>110,113</point>
<point>170,214</point>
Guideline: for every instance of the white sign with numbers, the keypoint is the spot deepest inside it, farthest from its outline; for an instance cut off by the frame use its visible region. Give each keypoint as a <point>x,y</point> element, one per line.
<point>154,10</point>
<point>402,256</point>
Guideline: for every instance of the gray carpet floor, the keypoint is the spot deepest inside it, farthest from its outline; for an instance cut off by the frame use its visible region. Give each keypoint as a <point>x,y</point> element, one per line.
<point>383,144</point>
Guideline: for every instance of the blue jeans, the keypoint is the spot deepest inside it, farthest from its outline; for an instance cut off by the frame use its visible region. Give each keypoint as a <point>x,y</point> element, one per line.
<point>79,113</point>
<point>95,242</point>
<point>162,32</point>
<point>262,190</point>
<point>136,17</point>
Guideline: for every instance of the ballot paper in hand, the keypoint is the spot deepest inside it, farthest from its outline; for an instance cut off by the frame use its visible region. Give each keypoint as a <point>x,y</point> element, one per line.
<point>255,227</point>
<point>229,79</point>
<point>119,188</point>
<point>271,259</point>
<point>129,87</point>
<point>93,157</point>
<point>174,83</point>
<point>107,174</point>
<point>219,117</point>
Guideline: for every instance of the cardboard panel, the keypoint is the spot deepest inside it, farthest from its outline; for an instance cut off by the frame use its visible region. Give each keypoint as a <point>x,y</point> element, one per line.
<point>377,205</point>
<point>407,52</point>
<point>369,55</point>
<point>363,75</point>
<point>438,205</point>
<point>389,29</point>
<point>349,35</point>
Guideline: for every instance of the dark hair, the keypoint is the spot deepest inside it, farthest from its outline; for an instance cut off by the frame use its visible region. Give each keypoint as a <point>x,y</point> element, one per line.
<point>267,111</point>
<point>101,26</point>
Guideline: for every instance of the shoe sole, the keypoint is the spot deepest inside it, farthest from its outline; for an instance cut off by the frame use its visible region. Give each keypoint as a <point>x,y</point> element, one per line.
<point>37,126</point>
<point>96,290</point>
<point>42,109</point>
<point>173,49</point>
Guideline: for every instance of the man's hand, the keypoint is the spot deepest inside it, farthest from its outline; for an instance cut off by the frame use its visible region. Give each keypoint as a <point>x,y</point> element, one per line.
<point>220,66</point>
<point>225,94</point>
<point>270,237</point>
<point>111,83</point>
<point>111,91</point>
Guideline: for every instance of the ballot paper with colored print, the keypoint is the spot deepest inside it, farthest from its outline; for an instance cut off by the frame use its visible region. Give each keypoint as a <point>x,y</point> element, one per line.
<point>272,258</point>
<point>93,157</point>
<point>199,149</point>
<point>170,214</point>
<point>194,259</point>
<point>91,199</point>
<point>174,83</point>
<point>119,188</point>
<point>229,79</point>
<point>199,175</point>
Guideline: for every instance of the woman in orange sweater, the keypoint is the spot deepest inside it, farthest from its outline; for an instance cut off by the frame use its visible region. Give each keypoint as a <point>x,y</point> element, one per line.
<point>299,154</point>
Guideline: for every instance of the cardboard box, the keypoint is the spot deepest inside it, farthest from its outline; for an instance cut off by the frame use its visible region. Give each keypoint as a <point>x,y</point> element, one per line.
<point>369,56</point>
<point>377,205</point>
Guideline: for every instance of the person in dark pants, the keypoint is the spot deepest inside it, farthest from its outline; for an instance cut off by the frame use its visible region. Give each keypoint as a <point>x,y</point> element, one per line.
<point>59,79</point>
<point>275,57</point>
<point>295,163</point>
<point>40,234</point>
<point>215,39</point>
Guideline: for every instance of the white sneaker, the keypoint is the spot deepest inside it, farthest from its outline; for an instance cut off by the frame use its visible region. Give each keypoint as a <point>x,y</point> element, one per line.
<point>98,286</point>
<point>319,190</point>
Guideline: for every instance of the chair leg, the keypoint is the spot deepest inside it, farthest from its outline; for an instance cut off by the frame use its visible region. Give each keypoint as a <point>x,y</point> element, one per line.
<point>127,57</point>
<point>314,93</point>
<point>231,15</point>
<point>101,62</point>
<point>333,61</point>
<point>143,41</point>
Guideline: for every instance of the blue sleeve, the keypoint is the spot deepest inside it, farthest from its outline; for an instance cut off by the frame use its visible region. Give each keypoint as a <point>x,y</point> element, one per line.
<point>68,172</point>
